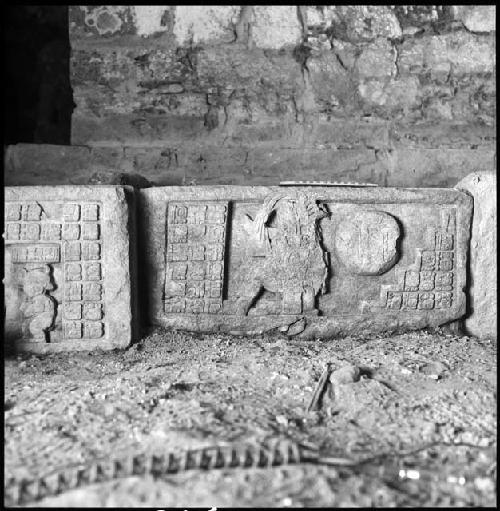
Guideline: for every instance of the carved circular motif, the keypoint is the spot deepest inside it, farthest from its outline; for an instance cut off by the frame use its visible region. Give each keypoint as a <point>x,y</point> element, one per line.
<point>365,242</point>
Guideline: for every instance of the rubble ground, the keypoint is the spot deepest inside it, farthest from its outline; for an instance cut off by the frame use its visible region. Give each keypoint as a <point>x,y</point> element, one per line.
<point>426,400</point>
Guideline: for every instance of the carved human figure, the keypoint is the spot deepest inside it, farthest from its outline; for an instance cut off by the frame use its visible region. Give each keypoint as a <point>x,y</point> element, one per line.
<point>295,263</point>
<point>39,307</point>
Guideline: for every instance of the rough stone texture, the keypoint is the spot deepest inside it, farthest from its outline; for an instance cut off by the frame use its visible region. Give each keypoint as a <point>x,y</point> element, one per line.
<point>478,18</point>
<point>276,26</point>
<point>175,390</point>
<point>240,94</point>
<point>414,161</point>
<point>201,24</point>
<point>106,177</point>
<point>481,319</point>
<point>69,272</point>
<point>359,23</point>
<point>252,259</point>
<point>86,21</point>
<point>151,19</point>
<point>377,60</point>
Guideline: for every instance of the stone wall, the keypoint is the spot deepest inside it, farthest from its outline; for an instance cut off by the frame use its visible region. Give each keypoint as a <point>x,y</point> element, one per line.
<point>396,95</point>
<point>392,95</point>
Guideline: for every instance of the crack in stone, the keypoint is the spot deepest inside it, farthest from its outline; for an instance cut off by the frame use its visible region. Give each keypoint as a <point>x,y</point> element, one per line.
<point>243,27</point>
<point>395,46</point>
<point>302,16</point>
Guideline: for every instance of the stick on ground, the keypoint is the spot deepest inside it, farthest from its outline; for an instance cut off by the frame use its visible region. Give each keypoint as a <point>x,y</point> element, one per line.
<point>315,403</point>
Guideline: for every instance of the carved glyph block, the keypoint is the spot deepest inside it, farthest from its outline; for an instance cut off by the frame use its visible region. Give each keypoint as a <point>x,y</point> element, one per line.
<point>68,279</point>
<point>346,260</point>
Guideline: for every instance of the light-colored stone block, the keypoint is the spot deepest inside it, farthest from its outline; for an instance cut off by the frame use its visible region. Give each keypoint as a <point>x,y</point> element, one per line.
<point>205,23</point>
<point>482,315</point>
<point>330,260</point>
<point>479,18</point>
<point>69,268</point>
<point>276,26</point>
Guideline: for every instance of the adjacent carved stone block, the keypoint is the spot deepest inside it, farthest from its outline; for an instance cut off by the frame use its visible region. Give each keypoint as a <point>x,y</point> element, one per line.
<point>347,260</point>
<point>67,267</point>
<point>482,313</point>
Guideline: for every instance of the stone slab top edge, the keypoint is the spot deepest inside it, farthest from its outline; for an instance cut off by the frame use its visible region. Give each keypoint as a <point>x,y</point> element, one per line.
<point>29,190</point>
<point>238,192</point>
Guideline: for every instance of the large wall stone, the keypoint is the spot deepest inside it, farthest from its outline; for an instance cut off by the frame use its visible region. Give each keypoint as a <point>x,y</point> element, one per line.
<point>482,315</point>
<point>196,24</point>
<point>215,84</point>
<point>478,18</point>
<point>275,26</point>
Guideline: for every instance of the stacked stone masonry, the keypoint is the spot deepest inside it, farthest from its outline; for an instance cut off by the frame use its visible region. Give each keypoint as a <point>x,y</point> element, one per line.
<point>393,95</point>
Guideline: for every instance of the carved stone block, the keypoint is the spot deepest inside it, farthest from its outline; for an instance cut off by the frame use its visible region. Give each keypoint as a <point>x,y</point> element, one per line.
<point>68,272</point>
<point>346,260</point>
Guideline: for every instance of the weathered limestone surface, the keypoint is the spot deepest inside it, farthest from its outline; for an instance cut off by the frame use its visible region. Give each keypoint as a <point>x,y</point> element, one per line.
<point>69,272</point>
<point>481,319</point>
<point>310,261</point>
<point>237,94</point>
<point>420,164</point>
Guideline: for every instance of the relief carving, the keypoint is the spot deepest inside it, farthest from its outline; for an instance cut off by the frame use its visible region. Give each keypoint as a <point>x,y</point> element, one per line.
<point>66,262</point>
<point>195,257</point>
<point>295,263</point>
<point>365,242</point>
<point>39,308</point>
<point>342,260</point>
<point>431,278</point>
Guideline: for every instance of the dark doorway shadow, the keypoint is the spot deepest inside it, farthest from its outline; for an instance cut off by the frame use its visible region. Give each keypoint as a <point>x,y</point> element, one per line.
<point>38,100</point>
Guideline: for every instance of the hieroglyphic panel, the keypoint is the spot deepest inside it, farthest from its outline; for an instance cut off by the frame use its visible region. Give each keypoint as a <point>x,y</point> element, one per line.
<point>83,271</point>
<point>431,279</point>
<point>42,243</point>
<point>196,234</point>
<point>69,273</point>
<point>335,260</point>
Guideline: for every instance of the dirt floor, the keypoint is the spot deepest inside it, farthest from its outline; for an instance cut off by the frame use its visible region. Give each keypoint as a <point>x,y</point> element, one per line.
<point>426,390</point>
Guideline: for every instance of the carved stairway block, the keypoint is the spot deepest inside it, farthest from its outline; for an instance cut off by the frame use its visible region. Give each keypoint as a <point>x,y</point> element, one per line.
<point>68,279</point>
<point>344,260</point>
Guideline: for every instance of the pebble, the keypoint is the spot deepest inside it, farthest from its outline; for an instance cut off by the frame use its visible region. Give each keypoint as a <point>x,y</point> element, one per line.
<point>346,374</point>
<point>433,370</point>
<point>456,480</point>
<point>281,419</point>
<point>484,484</point>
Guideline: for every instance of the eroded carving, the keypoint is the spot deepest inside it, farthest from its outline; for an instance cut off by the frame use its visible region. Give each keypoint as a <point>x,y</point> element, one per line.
<point>431,278</point>
<point>195,257</point>
<point>51,246</point>
<point>294,264</point>
<point>365,242</point>
<point>39,308</point>
<point>400,265</point>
